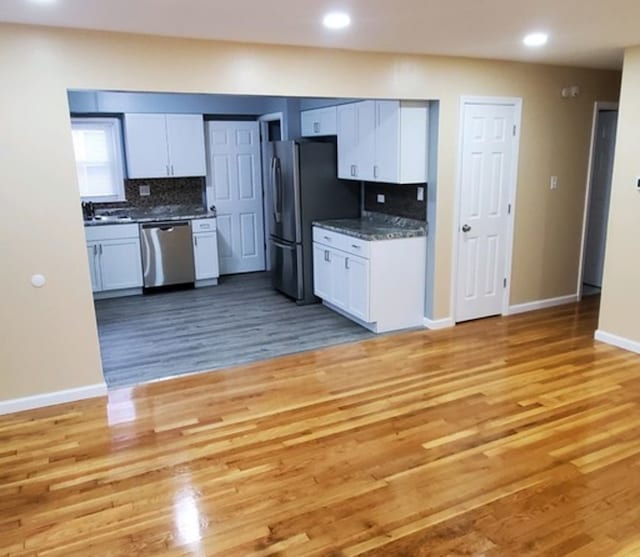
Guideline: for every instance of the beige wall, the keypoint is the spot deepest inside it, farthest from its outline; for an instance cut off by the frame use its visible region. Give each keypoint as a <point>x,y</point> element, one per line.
<point>620,304</point>
<point>48,335</point>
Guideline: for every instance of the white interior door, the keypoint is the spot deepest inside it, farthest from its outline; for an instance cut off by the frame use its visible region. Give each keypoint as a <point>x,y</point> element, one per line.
<point>602,171</point>
<point>234,181</point>
<point>488,157</point>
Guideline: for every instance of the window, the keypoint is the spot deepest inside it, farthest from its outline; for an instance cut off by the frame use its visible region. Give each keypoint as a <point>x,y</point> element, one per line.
<point>97,146</point>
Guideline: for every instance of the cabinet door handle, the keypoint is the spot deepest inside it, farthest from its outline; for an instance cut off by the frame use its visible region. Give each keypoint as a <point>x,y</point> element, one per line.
<point>316,127</point>
<point>346,262</point>
<point>100,249</point>
<point>355,247</point>
<point>327,238</point>
<point>375,170</point>
<point>195,241</point>
<point>326,256</point>
<point>171,170</point>
<point>95,250</point>
<point>168,173</point>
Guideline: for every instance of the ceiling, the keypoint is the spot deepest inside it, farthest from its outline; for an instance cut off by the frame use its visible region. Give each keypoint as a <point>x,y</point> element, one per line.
<point>588,33</point>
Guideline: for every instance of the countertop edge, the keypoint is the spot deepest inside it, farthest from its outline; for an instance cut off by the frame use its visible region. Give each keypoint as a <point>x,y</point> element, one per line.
<point>400,234</point>
<point>149,219</point>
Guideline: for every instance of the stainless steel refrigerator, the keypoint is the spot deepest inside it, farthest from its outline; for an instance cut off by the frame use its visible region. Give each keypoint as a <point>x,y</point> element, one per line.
<point>304,188</point>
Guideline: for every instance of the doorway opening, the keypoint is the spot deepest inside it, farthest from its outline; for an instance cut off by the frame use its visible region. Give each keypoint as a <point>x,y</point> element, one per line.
<point>597,198</point>
<point>210,158</point>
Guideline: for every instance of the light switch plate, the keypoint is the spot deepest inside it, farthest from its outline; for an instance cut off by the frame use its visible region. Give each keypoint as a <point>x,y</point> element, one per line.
<point>553,183</point>
<point>420,193</point>
<point>380,198</point>
<point>145,190</point>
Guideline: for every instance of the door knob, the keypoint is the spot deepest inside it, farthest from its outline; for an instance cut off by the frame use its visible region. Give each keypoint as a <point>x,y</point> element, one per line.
<point>466,228</point>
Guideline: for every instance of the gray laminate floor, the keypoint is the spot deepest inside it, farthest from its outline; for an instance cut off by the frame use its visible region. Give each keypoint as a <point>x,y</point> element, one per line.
<point>242,320</point>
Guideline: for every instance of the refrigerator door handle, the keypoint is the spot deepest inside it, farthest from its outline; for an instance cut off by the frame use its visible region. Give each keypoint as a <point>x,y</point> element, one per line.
<point>276,177</point>
<point>290,247</point>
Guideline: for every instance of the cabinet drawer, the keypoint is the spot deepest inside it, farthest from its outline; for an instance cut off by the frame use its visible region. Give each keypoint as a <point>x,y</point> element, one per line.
<point>343,242</point>
<point>203,225</point>
<point>111,232</point>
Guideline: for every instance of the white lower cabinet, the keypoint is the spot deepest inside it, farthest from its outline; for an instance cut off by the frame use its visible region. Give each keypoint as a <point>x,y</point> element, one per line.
<point>358,281</point>
<point>322,286</point>
<point>205,251</point>
<point>379,284</point>
<point>94,270</point>
<point>115,262</point>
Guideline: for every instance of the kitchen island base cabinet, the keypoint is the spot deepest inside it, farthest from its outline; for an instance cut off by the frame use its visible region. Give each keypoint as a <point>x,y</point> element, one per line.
<point>115,263</point>
<point>378,284</point>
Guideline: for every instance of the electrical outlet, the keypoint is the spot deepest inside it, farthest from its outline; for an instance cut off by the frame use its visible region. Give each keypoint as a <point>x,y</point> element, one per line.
<point>380,198</point>
<point>420,193</point>
<point>145,190</point>
<point>553,183</point>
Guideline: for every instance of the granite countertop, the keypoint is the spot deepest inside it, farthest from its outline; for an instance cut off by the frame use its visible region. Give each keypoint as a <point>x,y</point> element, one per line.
<point>375,226</point>
<point>163,213</point>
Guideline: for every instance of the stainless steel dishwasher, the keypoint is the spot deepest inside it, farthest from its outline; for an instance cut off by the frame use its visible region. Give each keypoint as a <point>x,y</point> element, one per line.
<point>167,255</point>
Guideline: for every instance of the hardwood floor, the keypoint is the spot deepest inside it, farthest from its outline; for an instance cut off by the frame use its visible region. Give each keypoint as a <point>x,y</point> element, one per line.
<point>507,436</point>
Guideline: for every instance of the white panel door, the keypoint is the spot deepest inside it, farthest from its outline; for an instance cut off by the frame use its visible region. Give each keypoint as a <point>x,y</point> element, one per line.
<point>120,264</point>
<point>487,160</point>
<point>235,179</point>
<point>146,145</point>
<point>185,137</point>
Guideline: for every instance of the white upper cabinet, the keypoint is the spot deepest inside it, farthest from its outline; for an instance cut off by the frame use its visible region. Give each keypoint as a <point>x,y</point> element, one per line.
<point>356,140</point>
<point>319,121</point>
<point>347,141</point>
<point>185,138</point>
<point>146,145</point>
<point>164,145</point>
<point>383,141</point>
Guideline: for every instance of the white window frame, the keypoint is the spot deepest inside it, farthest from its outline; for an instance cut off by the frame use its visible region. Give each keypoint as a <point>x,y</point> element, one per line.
<point>116,126</point>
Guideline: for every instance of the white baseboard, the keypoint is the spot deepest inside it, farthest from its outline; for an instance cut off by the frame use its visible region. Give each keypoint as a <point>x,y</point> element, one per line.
<point>542,304</point>
<point>620,342</point>
<point>49,399</point>
<point>438,323</point>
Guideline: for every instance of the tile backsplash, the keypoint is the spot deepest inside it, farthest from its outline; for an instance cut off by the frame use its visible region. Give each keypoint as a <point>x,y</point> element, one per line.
<point>399,200</point>
<point>162,191</point>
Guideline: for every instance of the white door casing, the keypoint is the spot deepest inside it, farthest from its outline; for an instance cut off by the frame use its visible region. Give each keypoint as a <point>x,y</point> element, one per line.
<point>234,179</point>
<point>488,164</point>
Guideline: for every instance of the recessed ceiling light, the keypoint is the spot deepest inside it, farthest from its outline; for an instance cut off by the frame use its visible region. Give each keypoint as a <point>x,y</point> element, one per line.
<point>43,1</point>
<point>336,20</point>
<point>536,39</point>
